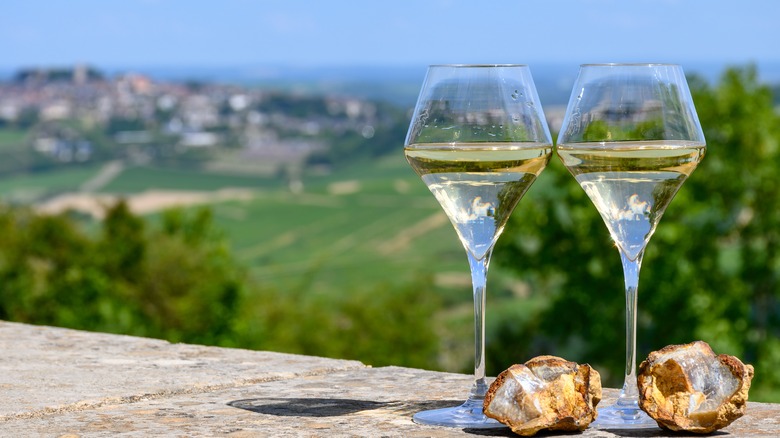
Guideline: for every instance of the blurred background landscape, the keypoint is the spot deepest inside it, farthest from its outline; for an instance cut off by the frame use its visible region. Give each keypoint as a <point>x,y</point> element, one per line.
<point>232,175</point>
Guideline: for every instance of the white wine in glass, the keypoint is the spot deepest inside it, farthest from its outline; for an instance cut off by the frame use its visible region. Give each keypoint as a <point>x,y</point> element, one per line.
<point>630,137</point>
<point>478,139</point>
<point>632,183</point>
<point>478,185</point>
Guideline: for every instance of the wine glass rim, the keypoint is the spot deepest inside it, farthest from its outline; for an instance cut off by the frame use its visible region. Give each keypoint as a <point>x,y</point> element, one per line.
<point>630,64</point>
<point>477,65</point>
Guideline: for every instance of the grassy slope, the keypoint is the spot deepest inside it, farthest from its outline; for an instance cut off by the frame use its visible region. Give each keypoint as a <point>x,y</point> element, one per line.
<point>328,242</point>
<point>33,185</point>
<point>138,179</point>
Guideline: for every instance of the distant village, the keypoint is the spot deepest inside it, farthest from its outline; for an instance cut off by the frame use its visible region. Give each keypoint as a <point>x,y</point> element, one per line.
<point>79,114</point>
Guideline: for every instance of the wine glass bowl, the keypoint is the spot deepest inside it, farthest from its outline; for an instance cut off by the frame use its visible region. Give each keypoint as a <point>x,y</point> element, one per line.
<point>478,139</point>
<point>630,137</point>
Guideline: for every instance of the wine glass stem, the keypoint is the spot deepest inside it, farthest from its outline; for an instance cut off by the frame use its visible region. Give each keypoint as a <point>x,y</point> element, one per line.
<point>479,268</point>
<point>631,267</point>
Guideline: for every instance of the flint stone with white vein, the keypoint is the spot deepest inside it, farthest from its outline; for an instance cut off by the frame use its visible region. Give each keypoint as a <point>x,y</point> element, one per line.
<point>689,388</point>
<point>545,393</point>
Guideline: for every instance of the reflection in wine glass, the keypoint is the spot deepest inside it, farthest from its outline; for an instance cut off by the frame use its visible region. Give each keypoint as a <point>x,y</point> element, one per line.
<point>630,137</point>
<point>478,139</point>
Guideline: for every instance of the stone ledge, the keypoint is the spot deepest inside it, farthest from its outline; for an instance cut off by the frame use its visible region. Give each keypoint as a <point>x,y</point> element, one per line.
<point>47,370</point>
<point>64,382</point>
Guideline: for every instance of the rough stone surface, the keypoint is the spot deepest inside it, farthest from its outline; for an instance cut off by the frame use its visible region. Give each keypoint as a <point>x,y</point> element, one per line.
<point>47,370</point>
<point>545,393</point>
<point>689,388</point>
<point>58,382</point>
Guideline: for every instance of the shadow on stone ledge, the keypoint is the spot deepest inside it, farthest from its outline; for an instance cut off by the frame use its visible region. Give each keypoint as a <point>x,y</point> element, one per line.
<point>332,407</point>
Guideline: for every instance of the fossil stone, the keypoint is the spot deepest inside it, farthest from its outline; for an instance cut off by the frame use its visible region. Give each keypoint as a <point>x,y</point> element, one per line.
<point>545,393</point>
<point>689,388</point>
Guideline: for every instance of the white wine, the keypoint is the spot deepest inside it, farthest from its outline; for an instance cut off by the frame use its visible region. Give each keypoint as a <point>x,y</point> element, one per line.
<point>631,183</point>
<point>478,184</point>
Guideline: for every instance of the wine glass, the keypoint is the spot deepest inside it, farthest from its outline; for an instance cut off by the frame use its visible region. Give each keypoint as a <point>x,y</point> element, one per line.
<point>630,137</point>
<point>478,139</point>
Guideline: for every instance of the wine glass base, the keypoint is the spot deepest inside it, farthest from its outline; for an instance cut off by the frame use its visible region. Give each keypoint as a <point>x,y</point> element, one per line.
<point>469,415</point>
<point>623,417</point>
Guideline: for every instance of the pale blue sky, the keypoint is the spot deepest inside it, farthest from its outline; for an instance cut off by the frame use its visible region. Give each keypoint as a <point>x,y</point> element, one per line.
<point>182,33</point>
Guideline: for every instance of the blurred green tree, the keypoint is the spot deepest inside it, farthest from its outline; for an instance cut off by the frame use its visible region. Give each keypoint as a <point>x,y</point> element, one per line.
<point>381,325</point>
<point>176,282</point>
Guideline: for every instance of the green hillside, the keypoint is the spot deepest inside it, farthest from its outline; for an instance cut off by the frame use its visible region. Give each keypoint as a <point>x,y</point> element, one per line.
<point>369,223</point>
<point>31,186</point>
